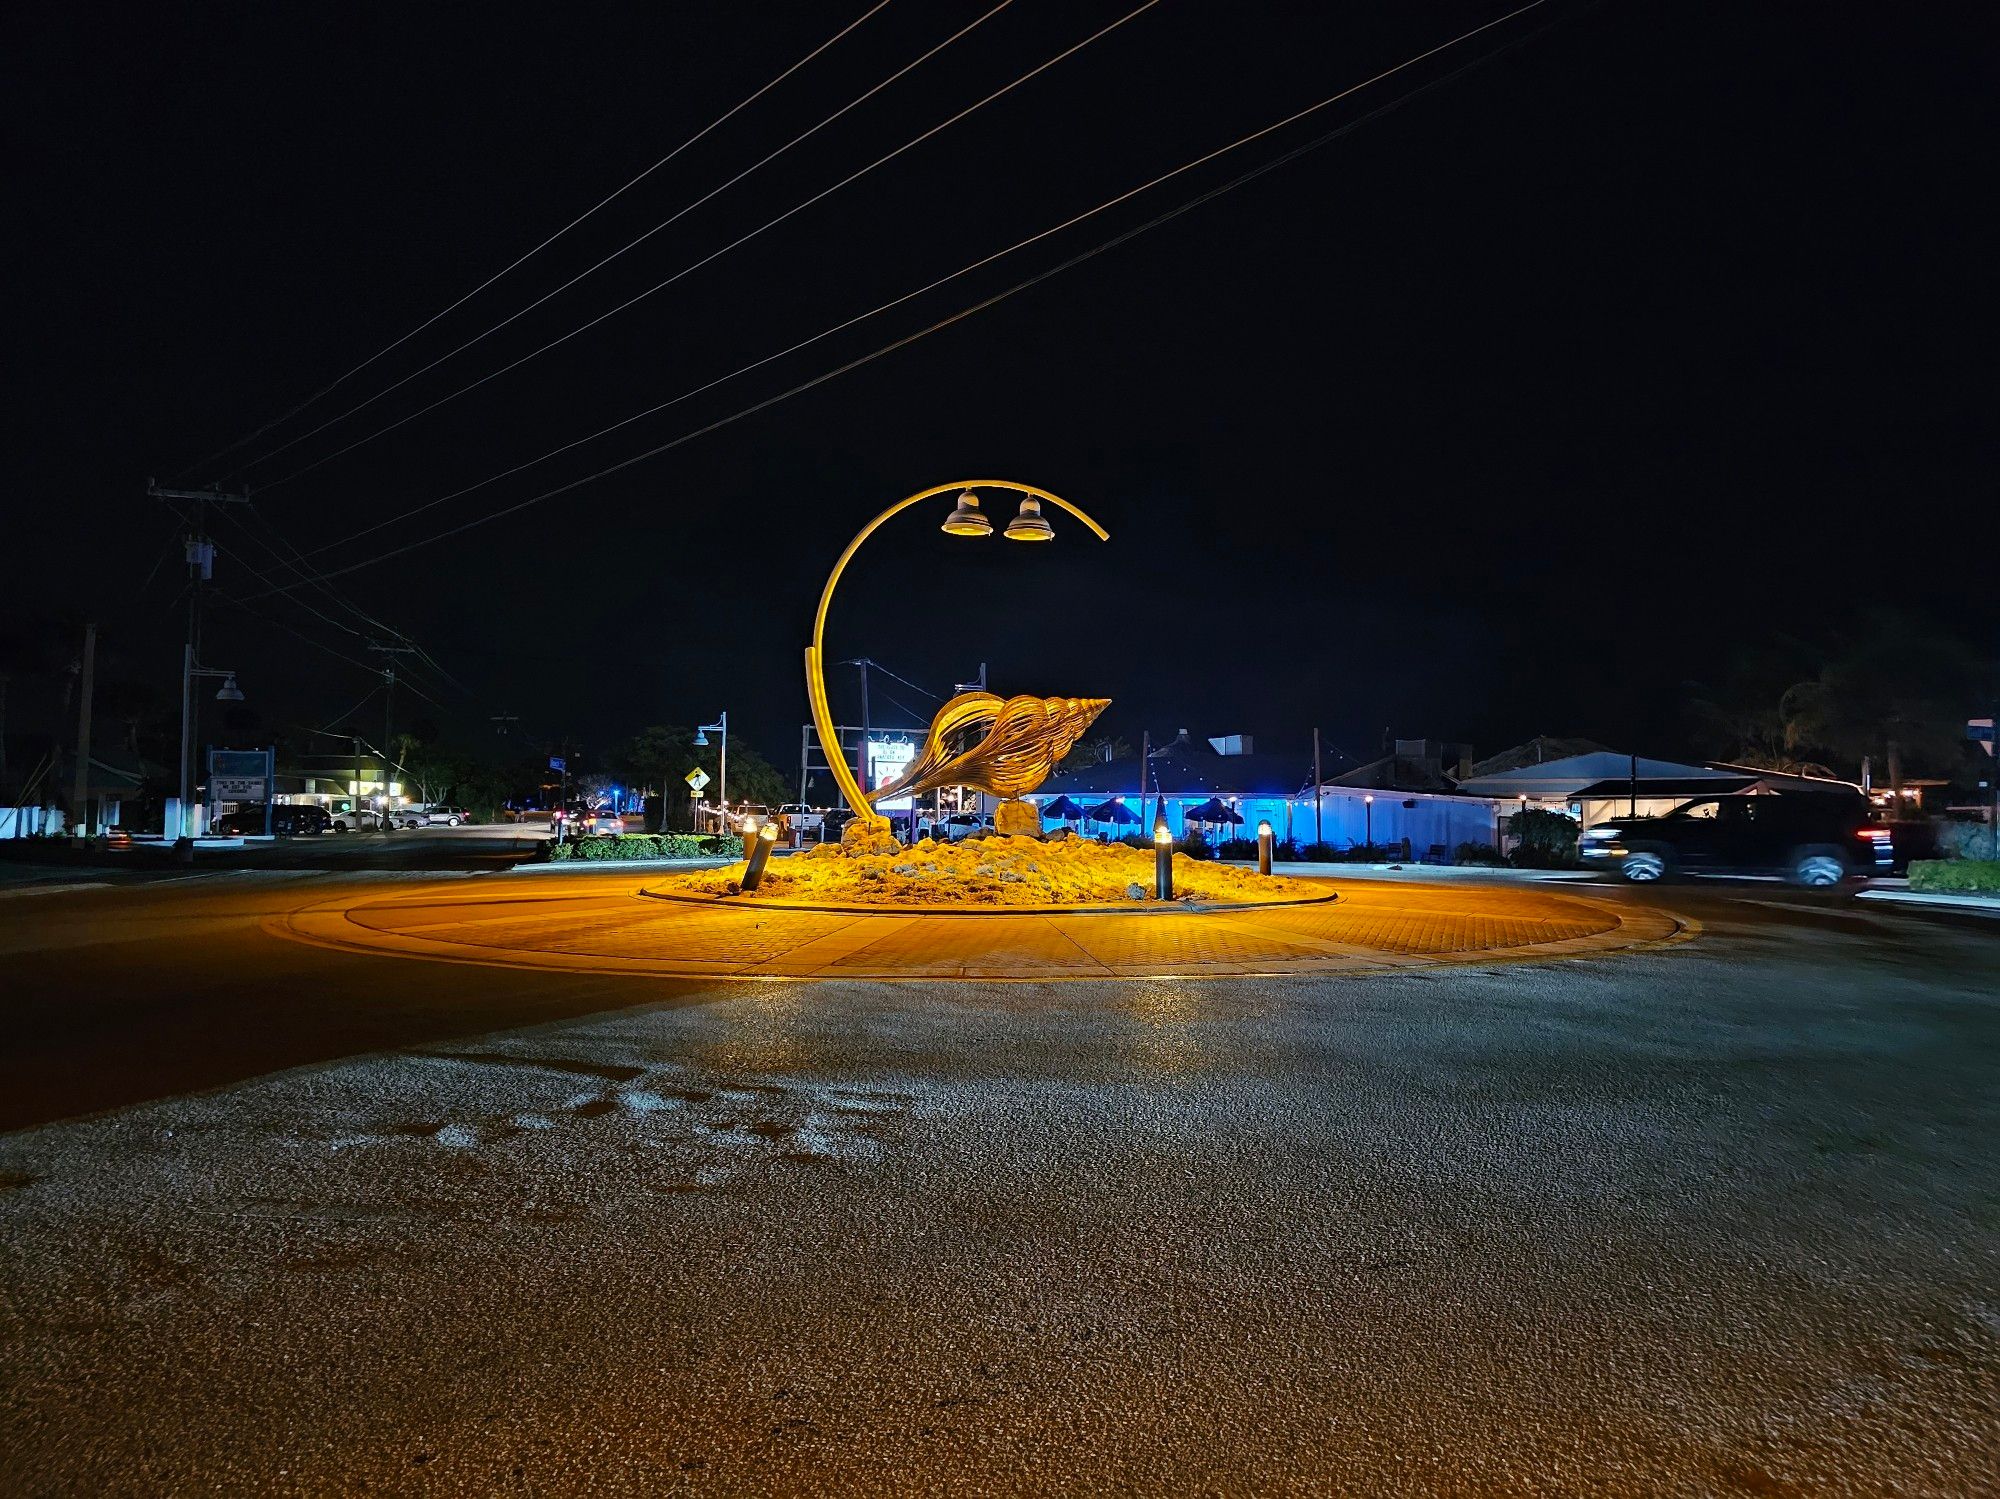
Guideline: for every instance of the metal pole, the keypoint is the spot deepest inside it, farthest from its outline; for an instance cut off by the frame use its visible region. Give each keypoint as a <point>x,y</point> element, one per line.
<point>1634,812</point>
<point>354,802</point>
<point>80,797</point>
<point>1145,764</point>
<point>722,761</point>
<point>1319,797</point>
<point>388,737</point>
<point>183,840</point>
<point>866,789</point>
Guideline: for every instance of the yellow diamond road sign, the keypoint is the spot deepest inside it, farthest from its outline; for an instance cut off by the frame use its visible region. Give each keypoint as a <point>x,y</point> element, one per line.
<point>696,778</point>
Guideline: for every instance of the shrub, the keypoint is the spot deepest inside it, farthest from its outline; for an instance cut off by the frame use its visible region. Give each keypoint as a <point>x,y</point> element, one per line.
<point>1475,853</point>
<point>1196,846</point>
<point>1288,851</point>
<point>1319,853</point>
<point>646,846</point>
<point>1547,839</point>
<point>1960,876</point>
<point>1238,848</point>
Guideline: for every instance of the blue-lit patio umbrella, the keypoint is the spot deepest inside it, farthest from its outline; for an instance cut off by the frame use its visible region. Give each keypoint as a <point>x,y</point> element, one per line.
<point>1113,811</point>
<point>1062,809</point>
<point>1214,810</point>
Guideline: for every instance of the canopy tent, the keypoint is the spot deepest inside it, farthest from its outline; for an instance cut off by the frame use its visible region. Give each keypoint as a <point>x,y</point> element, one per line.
<point>1113,811</point>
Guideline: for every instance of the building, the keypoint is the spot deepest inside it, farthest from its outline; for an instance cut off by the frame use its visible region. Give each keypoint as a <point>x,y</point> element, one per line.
<point>1277,787</point>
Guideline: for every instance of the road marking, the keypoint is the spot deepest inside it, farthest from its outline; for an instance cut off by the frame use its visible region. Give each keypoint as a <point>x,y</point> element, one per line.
<point>57,889</point>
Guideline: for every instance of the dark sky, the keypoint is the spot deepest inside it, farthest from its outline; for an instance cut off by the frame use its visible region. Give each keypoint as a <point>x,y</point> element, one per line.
<point>1502,414</point>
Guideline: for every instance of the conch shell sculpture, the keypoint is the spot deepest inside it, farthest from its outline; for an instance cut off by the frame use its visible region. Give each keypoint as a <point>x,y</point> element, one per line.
<point>1024,739</point>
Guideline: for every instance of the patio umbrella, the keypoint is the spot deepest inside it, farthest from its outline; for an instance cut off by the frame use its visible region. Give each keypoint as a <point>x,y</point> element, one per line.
<point>1062,809</point>
<point>1112,812</point>
<point>1214,810</point>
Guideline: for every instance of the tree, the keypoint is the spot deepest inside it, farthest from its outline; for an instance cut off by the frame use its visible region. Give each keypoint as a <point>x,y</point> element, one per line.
<point>1099,749</point>
<point>1899,692</point>
<point>661,755</point>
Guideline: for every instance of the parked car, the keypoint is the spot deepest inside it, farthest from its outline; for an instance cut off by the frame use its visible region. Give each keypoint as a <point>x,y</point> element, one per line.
<point>797,817</point>
<point>1810,838</point>
<point>288,820</point>
<point>354,819</point>
<point>423,815</point>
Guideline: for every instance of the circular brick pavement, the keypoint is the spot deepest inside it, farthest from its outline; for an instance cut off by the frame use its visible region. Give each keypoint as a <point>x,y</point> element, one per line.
<point>601,924</point>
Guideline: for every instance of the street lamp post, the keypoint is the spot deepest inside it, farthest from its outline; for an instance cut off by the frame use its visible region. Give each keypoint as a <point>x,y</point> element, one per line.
<point>967,519</point>
<point>721,726</point>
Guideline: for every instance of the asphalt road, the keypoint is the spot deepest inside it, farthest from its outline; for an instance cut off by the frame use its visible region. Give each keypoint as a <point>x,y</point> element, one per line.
<point>1720,1217</point>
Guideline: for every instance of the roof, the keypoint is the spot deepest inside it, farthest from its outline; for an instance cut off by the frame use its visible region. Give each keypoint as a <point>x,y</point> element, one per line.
<point>1184,768</point>
<point>1571,774</point>
<point>1667,786</point>
<point>1543,749</point>
<point>1396,773</point>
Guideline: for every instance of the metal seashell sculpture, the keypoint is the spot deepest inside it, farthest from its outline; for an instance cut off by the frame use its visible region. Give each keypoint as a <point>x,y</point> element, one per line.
<point>1024,738</point>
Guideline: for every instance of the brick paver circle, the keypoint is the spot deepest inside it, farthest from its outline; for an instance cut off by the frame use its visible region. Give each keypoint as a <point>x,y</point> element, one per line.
<point>603,924</point>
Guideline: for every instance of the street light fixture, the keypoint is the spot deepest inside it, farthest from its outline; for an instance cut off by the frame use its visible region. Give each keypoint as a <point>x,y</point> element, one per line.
<point>229,692</point>
<point>721,726</point>
<point>966,519</point>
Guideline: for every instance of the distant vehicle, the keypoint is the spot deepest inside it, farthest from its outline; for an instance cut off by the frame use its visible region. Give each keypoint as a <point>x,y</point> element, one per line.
<point>354,819</point>
<point>288,820</point>
<point>420,816</point>
<point>1809,838</point>
<point>600,822</point>
<point>797,817</point>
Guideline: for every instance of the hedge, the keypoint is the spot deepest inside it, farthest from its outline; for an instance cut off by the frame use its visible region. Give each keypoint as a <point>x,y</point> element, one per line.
<point>647,846</point>
<point>1965,876</point>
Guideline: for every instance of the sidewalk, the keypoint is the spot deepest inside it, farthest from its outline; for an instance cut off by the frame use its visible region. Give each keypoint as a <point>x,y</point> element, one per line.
<point>1899,893</point>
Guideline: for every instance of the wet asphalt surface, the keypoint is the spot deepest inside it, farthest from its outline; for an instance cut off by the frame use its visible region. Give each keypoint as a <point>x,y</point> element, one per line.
<point>1714,1218</point>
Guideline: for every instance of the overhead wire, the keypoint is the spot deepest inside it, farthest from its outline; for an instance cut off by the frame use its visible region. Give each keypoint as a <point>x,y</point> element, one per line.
<point>740,240</point>
<point>515,264</point>
<point>591,270</point>
<point>967,312</point>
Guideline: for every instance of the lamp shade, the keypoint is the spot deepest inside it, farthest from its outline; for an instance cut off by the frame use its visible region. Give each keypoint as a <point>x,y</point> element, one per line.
<point>968,519</point>
<point>1029,524</point>
<point>229,692</point>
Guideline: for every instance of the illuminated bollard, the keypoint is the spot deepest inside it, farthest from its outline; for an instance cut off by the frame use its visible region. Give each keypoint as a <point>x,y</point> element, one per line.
<point>761,841</point>
<point>1163,859</point>
<point>1264,842</point>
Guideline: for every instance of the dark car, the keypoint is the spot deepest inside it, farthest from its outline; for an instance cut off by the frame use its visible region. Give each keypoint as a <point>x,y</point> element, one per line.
<point>288,820</point>
<point>1809,838</point>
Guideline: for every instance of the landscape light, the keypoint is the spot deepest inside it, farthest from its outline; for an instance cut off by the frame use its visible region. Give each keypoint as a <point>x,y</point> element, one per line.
<point>1264,849</point>
<point>968,519</point>
<point>760,856</point>
<point>1030,524</point>
<point>1163,859</point>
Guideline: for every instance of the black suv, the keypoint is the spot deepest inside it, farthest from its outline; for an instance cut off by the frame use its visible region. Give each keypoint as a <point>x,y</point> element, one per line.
<point>1811,838</point>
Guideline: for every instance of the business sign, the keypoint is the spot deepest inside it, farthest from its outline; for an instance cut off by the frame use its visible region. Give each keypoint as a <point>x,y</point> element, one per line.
<point>696,778</point>
<point>1980,729</point>
<point>886,761</point>
<point>556,762</point>
<point>236,788</point>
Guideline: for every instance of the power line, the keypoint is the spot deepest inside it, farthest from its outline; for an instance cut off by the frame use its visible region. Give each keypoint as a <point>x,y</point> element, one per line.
<point>592,270</point>
<point>327,390</point>
<point>964,270</point>
<point>733,244</point>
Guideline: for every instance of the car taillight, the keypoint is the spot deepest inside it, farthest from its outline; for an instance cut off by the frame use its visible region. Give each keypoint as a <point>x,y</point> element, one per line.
<point>1874,835</point>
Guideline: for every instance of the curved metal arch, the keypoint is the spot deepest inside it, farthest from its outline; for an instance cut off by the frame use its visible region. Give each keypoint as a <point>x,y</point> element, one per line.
<point>829,735</point>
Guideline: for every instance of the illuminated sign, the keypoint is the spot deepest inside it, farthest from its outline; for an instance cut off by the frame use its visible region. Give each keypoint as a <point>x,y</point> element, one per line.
<point>886,761</point>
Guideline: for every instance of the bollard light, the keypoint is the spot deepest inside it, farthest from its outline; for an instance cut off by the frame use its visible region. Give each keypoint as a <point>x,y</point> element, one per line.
<point>1264,842</point>
<point>1163,859</point>
<point>1368,827</point>
<point>761,842</point>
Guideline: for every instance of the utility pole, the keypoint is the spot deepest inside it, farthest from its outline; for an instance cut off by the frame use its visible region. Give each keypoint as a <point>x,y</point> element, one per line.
<point>1145,764</point>
<point>201,568</point>
<point>1319,796</point>
<point>80,796</point>
<point>400,648</point>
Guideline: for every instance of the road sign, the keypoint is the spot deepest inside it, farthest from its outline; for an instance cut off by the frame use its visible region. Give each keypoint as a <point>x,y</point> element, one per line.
<point>556,762</point>
<point>696,778</point>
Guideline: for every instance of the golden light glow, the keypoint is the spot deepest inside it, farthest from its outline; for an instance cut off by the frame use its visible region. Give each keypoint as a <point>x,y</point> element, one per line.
<point>1263,830</point>
<point>1024,739</point>
<point>1163,835</point>
<point>768,832</point>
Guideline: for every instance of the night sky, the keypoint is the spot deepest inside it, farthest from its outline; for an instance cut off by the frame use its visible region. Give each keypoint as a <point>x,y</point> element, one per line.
<point>1503,414</point>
